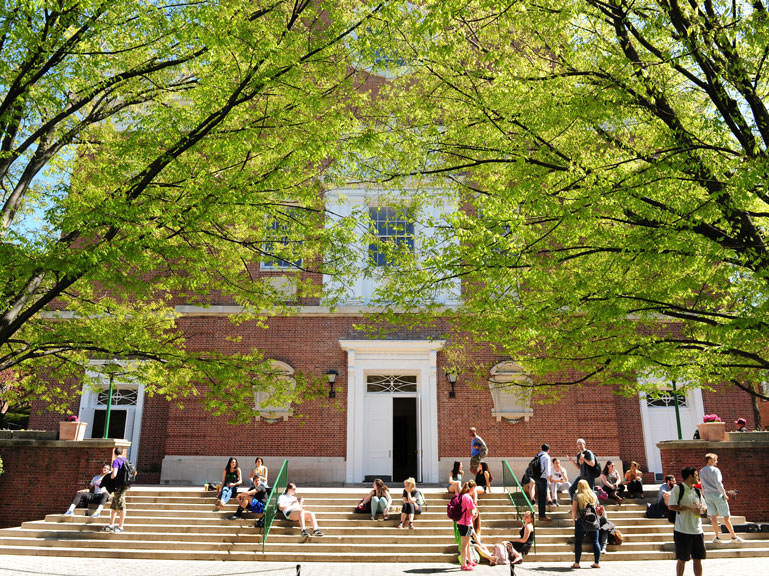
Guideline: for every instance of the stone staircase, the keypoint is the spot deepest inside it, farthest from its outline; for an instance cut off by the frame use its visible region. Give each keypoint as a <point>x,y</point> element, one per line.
<point>182,524</point>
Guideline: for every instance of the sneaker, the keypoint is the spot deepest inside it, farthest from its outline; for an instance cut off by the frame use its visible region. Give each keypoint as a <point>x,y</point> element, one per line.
<point>96,515</point>
<point>717,540</point>
<point>317,532</point>
<point>69,513</point>
<point>466,567</point>
<point>117,530</point>
<point>305,534</point>
<point>737,539</point>
<point>236,517</point>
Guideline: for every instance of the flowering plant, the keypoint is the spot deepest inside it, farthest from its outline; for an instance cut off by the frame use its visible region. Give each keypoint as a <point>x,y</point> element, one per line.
<point>73,418</point>
<point>711,418</point>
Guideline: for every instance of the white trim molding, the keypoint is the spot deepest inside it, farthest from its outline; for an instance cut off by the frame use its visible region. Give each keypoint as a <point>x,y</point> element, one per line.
<point>418,357</point>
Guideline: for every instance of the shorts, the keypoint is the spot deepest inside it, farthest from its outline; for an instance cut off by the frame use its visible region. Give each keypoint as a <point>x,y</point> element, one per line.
<point>689,546</point>
<point>465,530</point>
<point>255,506</point>
<point>717,506</point>
<point>118,499</point>
<point>475,462</point>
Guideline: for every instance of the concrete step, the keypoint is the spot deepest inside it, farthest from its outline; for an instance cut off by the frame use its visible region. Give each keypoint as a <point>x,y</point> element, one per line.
<point>183,524</point>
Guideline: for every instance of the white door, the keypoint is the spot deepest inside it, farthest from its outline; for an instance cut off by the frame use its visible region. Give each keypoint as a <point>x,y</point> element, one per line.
<point>378,442</point>
<point>659,419</point>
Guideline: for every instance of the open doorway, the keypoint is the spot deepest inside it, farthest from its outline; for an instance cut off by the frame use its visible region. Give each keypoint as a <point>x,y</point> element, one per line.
<point>405,446</point>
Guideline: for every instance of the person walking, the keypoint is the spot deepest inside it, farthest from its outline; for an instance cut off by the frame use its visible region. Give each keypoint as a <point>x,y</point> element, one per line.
<point>716,498</point>
<point>541,482</point>
<point>478,451</point>
<point>688,537</point>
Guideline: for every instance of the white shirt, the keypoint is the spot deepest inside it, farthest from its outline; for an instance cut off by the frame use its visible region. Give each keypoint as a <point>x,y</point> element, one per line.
<point>687,522</point>
<point>712,482</point>
<point>287,502</point>
<point>544,461</point>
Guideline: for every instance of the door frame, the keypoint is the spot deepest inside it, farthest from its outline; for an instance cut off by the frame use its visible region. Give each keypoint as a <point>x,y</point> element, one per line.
<point>89,398</point>
<point>694,399</point>
<point>418,357</point>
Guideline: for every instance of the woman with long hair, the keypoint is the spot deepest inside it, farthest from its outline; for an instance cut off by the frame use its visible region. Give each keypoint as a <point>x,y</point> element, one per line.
<point>232,477</point>
<point>465,525</point>
<point>380,499</point>
<point>483,479</point>
<point>455,478</point>
<point>612,483</point>
<point>585,516</point>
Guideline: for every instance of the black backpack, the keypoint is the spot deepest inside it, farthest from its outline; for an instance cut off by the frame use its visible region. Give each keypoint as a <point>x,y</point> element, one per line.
<point>126,476</point>
<point>589,518</point>
<point>535,468</point>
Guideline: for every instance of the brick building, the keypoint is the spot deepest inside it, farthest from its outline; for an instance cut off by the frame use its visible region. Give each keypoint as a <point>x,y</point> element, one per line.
<point>393,413</point>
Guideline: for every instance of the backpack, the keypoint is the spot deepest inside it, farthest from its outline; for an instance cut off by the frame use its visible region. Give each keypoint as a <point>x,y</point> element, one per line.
<point>500,555</point>
<point>589,518</point>
<point>671,514</point>
<point>126,475</point>
<point>616,537</point>
<point>454,508</point>
<point>535,468</point>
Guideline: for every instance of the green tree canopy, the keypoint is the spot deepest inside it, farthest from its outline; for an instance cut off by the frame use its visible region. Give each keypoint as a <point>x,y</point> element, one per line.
<point>151,154</point>
<point>612,158</point>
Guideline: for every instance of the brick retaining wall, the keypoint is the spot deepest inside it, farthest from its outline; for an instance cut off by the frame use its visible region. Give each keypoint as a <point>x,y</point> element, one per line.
<point>743,465</point>
<point>42,476</point>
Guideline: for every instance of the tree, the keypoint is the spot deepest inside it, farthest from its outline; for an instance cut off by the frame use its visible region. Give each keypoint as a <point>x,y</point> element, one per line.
<point>612,159</point>
<point>147,150</point>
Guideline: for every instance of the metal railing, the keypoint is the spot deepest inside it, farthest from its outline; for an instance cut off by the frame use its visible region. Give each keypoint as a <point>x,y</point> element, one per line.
<point>271,509</point>
<point>515,492</point>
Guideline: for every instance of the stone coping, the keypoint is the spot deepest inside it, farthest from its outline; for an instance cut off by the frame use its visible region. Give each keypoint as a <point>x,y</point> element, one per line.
<point>89,443</point>
<point>762,442</point>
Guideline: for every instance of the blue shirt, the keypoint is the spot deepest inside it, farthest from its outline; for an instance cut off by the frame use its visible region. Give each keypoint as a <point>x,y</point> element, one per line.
<point>475,445</point>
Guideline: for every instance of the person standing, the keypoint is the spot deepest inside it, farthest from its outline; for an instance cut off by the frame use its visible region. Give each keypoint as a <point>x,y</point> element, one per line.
<point>585,459</point>
<point>478,451</point>
<point>541,482</point>
<point>117,507</point>
<point>465,525</point>
<point>742,425</point>
<point>584,514</point>
<point>688,536</point>
<point>716,498</point>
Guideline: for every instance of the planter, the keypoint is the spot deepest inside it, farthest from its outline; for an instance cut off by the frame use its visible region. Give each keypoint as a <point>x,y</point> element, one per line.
<point>713,431</point>
<point>72,430</point>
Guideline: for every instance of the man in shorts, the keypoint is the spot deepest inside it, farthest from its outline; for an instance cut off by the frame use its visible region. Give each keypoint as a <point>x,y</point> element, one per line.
<point>716,497</point>
<point>688,536</point>
<point>117,506</point>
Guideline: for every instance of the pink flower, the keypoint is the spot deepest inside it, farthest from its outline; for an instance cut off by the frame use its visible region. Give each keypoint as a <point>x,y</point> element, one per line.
<point>73,418</point>
<point>711,418</point>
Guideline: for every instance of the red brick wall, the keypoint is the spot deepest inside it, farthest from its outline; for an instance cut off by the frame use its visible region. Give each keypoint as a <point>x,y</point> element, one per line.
<point>41,477</point>
<point>743,466</point>
<point>610,424</point>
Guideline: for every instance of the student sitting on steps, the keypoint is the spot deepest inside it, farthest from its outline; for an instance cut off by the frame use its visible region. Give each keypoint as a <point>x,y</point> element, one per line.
<point>293,510</point>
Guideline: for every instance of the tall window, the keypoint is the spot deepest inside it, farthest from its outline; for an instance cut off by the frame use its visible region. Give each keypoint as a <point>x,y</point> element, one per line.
<point>280,248</point>
<point>394,231</point>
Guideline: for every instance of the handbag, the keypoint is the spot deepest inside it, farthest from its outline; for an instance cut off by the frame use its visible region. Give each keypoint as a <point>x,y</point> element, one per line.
<point>363,508</point>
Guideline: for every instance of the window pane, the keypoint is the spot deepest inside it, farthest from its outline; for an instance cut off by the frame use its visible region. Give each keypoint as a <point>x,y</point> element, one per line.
<point>394,230</point>
<point>391,383</point>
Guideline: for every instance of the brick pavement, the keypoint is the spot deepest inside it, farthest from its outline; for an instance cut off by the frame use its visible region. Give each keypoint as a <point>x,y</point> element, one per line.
<point>55,566</point>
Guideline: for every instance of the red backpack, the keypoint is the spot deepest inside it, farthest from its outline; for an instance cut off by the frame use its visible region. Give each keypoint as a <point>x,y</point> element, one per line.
<point>454,508</point>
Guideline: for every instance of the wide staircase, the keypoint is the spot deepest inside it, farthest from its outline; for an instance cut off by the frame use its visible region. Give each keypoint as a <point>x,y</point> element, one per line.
<point>182,523</point>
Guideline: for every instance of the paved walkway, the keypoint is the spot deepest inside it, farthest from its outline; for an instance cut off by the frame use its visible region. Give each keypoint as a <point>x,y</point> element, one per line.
<point>54,566</point>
